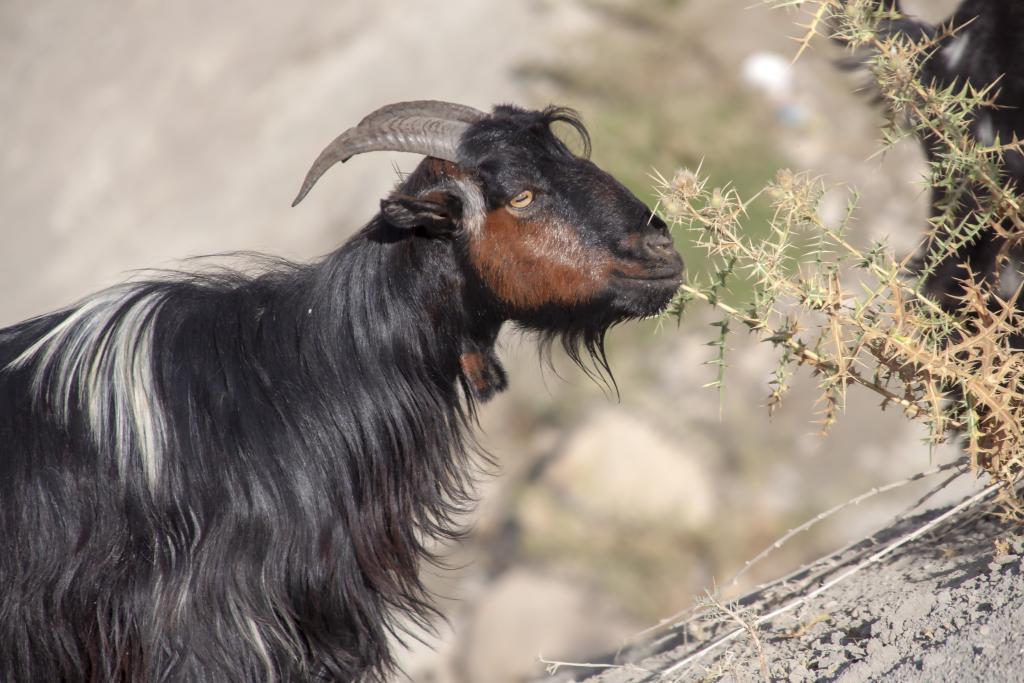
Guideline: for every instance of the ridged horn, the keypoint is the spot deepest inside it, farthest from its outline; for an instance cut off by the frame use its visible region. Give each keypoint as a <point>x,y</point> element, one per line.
<point>426,127</point>
<point>434,109</point>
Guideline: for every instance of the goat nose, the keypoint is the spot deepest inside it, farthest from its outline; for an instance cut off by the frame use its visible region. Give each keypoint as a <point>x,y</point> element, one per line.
<point>659,244</point>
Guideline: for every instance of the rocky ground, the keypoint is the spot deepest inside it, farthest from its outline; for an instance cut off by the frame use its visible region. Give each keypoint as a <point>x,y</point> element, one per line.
<point>947,606</point>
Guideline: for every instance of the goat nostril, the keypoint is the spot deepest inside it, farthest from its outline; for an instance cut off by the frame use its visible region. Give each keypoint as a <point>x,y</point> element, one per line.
<point>659,243</point>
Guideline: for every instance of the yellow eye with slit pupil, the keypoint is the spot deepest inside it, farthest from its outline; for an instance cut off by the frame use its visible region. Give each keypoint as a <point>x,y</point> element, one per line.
<point>521,200</point>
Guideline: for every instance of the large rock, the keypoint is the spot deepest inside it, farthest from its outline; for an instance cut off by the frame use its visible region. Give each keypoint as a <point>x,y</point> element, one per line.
<point>621,468</point>
<point>526,614</point>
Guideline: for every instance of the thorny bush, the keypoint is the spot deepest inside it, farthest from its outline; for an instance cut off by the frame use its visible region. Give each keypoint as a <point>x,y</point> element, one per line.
<point>863,316</point>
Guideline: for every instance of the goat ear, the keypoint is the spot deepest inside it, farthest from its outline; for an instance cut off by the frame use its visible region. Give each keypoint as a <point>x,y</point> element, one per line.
<point>437,212</point>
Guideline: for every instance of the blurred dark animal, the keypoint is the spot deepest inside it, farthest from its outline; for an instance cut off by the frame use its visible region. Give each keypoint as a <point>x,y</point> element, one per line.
<point>985,46</point>
<point>233,477</point>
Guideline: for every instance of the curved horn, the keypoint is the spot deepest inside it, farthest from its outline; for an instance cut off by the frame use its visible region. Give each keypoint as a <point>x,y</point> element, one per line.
<point>434,109</point>
<point>425,127</point>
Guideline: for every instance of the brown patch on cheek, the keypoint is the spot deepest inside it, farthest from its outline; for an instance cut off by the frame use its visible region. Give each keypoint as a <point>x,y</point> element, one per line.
<point>532,263</point>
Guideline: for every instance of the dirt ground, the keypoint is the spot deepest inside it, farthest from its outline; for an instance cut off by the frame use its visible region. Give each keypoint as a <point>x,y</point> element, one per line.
<point>945,607</point>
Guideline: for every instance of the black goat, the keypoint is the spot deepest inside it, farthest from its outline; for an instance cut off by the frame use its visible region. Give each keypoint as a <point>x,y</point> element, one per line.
<point>986,46</point>
<point>223,476</point>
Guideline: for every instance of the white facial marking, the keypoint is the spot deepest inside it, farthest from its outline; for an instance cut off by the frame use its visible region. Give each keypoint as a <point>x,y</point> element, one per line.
<point>474,211</point>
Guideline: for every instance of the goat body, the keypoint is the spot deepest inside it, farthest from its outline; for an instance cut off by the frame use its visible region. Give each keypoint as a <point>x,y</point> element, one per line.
<point>228,476</point>
<point>984,46</point>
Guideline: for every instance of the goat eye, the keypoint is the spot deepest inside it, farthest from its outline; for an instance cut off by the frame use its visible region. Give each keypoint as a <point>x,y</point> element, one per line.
<point>521,200</point>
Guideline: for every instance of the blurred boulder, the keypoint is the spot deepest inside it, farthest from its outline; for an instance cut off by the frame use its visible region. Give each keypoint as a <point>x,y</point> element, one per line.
<point>618,467</point>
<point>527,613</point>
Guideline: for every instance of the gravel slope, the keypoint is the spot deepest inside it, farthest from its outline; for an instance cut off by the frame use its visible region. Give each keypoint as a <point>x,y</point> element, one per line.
<point>945,607</point>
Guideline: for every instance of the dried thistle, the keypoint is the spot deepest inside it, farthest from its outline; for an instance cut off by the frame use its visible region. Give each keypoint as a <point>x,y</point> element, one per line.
<point>950,358</point>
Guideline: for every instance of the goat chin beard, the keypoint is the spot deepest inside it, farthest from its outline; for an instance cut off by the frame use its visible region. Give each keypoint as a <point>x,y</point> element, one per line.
<point>656,315</point>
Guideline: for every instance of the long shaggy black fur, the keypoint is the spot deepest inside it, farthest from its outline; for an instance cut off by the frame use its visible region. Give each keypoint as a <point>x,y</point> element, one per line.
<point>234,477</point>
<point>314,438</point>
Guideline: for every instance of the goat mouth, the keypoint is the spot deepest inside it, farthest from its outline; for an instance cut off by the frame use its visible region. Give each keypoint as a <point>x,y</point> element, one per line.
<point>661,275</point>
<point>646,292</point>
<point>661,270</point>
<point>677,277</point>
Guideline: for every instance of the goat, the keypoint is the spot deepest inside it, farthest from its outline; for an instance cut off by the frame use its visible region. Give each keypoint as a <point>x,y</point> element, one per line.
<point>231,476</point>
<point>985,47</point>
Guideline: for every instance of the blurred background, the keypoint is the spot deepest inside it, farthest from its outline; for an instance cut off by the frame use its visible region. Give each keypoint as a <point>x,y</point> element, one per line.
<point>136,133</point>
